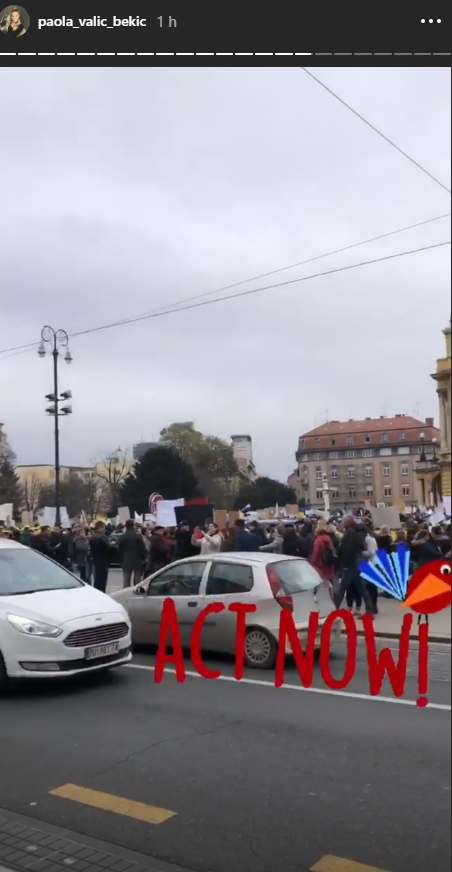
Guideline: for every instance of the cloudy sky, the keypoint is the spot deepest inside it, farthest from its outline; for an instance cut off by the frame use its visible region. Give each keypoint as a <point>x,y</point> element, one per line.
<point>129,190</point>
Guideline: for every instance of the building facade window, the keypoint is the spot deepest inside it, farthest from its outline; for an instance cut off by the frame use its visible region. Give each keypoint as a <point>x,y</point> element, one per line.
<point>350,440</point>
<point>387,490</point>
<point>384,437</point>
<point>335,493</point>
<point>405,490</point>
<point>351,472</point>
<point>319,494</point>
<point>302,443</point>
<point>367,438</point>
<point>333,440</point>
<point>334,473</point>
<point>368,471</point>
<point>317,440</point>
<point>369,491</point>
<point>350,453</point>
<point>304,458</point>
<point>385,452</point>
<point>318,473</point>
<point>334,455</point>
<point>404,469</point>
<point>368,452</point>
<point>405,449</point>
<point>352,492</point>
<point>402,435</point>
<point>317,455</point>
<point>386,469</point>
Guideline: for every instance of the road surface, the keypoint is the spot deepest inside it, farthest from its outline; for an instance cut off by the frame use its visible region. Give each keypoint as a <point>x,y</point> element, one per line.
<point>215,776</point>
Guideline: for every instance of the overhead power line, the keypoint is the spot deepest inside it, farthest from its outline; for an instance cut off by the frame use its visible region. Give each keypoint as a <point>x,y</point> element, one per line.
<point>22,348</point>
<point>259,290</point>
<point>375,129</point>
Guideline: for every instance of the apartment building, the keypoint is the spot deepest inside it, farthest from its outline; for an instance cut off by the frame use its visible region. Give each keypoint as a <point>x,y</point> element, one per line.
<point>44,473</point>
<point>368,460</point>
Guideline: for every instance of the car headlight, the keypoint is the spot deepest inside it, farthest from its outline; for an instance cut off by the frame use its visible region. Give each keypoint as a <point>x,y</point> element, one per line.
<point>33,628</point>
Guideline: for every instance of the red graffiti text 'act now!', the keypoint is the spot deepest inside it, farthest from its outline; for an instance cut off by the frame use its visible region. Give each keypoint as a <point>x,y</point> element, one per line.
<point>379,662</point>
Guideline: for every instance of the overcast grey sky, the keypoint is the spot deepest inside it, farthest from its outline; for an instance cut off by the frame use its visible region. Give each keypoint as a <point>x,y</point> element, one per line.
<point>126,190</point>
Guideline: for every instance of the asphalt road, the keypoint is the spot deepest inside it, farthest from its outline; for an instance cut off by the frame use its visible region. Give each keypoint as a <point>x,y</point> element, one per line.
<point>258,778</point>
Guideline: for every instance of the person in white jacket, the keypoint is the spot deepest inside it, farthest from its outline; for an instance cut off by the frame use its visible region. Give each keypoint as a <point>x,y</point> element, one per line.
<point>210,542</point>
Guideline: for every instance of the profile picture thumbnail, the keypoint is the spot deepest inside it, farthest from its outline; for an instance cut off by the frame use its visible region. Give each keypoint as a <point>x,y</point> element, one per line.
<point>14,21</point>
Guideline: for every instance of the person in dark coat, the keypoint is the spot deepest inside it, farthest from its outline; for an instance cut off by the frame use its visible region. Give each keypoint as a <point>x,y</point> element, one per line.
<point>132,554</point>
<point>291,543</point>
<point>425,549</point>
<point>41,542</point>
<point>244,540</point>
<point>184,548</point>
<point>158,556</point>
<point>307,537</point>
<point>101,551</point>
<point>351,552</point>
<point>257,531</point>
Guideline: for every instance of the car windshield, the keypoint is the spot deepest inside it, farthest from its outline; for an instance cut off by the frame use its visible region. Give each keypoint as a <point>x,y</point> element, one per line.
<point>296,575</point>
<point>26,571</point>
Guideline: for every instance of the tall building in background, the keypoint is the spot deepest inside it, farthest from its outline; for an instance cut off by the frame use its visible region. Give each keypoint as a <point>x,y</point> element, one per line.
<point>141,448</point>
<point>442,377</point>
<point>242,449</point>
<point>374,459</point>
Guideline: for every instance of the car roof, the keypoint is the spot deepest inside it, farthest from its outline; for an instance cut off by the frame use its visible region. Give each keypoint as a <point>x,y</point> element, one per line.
<point>263,557</point>
<point>10,543</point>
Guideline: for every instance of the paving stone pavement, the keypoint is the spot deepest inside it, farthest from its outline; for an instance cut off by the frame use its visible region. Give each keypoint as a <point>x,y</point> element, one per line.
<point>41,848</point>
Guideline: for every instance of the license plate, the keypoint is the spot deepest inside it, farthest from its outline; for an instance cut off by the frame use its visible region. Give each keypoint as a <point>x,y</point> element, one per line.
<point>101,651</point>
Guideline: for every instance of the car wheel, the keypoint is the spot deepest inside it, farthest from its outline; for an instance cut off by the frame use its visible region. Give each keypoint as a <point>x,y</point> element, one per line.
<point>260,649</point>
<point>4,681</point>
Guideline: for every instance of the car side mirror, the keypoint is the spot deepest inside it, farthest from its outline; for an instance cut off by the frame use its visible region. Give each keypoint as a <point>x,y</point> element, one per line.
<point>140,590</point>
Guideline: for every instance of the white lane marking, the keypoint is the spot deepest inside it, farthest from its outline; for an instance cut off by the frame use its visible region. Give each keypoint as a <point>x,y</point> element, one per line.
<point>323,690</point>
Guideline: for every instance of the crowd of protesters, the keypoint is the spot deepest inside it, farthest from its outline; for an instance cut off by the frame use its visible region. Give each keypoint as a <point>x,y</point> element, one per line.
<point>335,548</point>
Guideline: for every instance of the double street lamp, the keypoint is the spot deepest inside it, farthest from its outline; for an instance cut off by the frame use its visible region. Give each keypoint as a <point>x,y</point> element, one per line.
<point>55,341</point>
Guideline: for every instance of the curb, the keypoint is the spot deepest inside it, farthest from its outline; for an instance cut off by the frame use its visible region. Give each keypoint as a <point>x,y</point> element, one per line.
<point>381,634</point>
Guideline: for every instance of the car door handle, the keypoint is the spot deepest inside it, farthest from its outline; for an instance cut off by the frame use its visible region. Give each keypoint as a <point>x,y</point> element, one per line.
<point>192,605</point>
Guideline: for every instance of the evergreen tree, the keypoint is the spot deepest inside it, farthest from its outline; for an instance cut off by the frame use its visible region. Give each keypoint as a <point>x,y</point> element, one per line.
<point>162,471</point>
<point>10,487</point>
<point>265,493</point>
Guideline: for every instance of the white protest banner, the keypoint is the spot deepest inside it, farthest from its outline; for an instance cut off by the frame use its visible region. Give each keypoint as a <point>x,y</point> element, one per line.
<point>387,517</point>
<point>123,514</point>
<point>138,518</point>
<point>6,514</point>
<point>446,501</point>
<point>437,518</point>
<point>165,512</point>
<point>64,518</point>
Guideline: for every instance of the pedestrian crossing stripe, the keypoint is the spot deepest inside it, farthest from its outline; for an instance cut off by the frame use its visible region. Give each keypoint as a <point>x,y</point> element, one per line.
<point>340,864</point>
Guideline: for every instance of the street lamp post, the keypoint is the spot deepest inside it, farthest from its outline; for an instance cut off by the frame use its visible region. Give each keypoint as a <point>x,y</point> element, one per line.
<point>56,340</point>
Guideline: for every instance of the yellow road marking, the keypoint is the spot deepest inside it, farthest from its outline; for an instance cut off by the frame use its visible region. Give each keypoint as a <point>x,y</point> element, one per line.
<point>340,864</point>
<point>149,814</point>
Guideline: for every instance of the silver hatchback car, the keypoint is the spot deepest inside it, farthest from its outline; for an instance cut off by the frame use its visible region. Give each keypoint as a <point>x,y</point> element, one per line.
<point>270,581</point>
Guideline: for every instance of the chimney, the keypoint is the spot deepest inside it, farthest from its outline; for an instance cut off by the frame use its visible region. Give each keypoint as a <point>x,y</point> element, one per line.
<point>430,422</point>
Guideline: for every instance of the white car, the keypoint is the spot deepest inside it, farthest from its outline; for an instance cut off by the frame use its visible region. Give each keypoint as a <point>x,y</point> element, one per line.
<point>53,625</point>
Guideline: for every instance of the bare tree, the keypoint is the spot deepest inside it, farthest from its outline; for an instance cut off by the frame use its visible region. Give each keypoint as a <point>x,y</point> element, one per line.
<point>31,493</point>
<point>112,469</point>
<point>98,496</point>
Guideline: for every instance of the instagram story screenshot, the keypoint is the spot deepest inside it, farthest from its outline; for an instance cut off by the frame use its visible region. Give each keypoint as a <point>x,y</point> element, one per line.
<point>225,437</point>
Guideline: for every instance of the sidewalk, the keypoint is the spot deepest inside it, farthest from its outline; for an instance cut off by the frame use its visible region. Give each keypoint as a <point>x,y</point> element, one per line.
<point>388,622</point>
<point>26,843</point>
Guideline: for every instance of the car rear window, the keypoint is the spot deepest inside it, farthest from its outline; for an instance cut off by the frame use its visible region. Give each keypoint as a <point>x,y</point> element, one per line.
<point>296,575</point>
<point>232,578</point>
